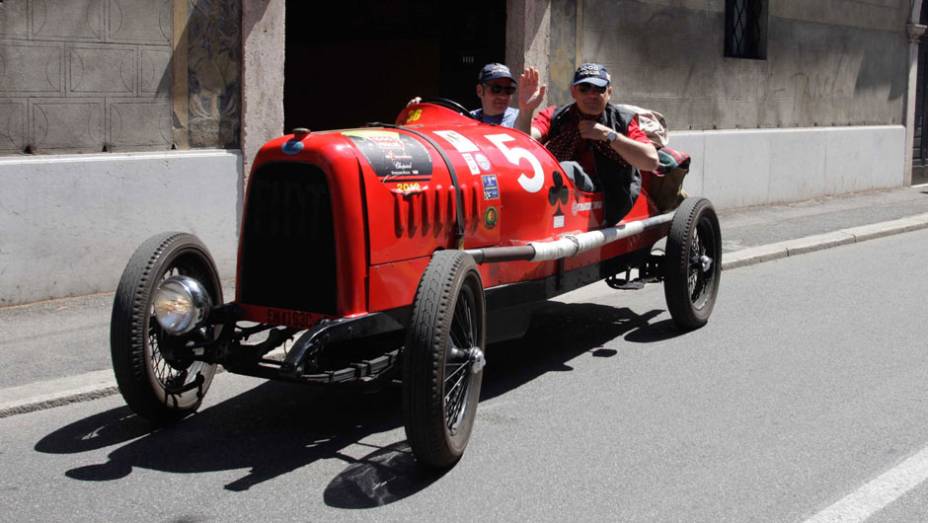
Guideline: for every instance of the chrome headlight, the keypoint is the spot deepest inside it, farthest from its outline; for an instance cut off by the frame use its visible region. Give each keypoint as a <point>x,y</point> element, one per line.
<point>180,304</point>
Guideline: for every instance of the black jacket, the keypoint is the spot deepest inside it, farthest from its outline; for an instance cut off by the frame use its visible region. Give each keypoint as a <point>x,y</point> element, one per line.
<point>620,183</point>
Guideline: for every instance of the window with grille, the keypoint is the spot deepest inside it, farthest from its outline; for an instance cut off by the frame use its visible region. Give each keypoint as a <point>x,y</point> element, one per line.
<point>746,29</point>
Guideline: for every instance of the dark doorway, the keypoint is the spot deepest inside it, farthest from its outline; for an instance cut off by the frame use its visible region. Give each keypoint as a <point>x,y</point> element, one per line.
<point>355,61</point>
<point>920,145</point>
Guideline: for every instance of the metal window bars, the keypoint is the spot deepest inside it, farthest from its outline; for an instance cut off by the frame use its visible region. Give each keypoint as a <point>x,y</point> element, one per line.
<point>746,29</point>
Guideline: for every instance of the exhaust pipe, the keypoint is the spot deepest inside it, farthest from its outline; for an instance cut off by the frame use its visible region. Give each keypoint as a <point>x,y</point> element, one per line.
<point>570,244</point>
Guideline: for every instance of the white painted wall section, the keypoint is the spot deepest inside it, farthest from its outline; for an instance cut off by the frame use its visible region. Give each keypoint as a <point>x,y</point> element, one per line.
<point>69,223</point>
<point>739,168</point>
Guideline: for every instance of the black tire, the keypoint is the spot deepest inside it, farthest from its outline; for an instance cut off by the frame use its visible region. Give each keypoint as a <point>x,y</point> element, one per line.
<point>149,379</point>
<point>689,286</point>
<point>439,402</point>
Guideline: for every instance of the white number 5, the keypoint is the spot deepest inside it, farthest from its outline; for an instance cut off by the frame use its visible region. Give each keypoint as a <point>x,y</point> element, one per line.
<point>532,183</point>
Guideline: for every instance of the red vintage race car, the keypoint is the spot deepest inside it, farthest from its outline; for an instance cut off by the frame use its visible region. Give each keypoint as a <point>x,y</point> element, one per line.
<point>394,251</point>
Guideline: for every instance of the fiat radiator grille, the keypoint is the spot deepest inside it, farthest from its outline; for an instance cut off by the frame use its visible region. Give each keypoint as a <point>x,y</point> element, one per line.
<point>288,245</point>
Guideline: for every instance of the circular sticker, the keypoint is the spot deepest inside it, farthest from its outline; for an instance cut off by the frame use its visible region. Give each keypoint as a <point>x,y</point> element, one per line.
<point>482,161</point>
<point>490,217</point>
<point>291,147</point>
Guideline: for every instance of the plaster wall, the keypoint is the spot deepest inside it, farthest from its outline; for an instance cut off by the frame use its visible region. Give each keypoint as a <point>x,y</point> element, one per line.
<point>263,41</point>
<point>829,63</point>
<point>528,35</point>
<point>69,223</point>
<point>739,168</point>
<point>822,115</point>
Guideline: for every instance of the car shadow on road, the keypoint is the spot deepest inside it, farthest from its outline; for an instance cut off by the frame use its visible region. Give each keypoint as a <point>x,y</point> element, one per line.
<point>559,332</point>
<point>277,428</point>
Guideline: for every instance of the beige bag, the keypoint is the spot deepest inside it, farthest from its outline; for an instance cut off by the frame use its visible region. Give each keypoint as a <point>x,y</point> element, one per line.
<point>651,122</point>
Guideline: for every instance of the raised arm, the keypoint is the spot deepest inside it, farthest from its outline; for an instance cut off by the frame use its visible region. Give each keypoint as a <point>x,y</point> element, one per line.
<point>531,94</point>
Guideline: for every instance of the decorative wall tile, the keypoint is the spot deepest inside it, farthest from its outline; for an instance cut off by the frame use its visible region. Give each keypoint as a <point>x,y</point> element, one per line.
<point>140,123</point>
<point>12,125</point>
<point>68,20</point>
<point>140,21</point>
<point>30,69</point>
<point>14,19</point>
<point>101,70</point>
<point>214,63</point>
<point>89,75</point>
<point>68,124</point>
<point>155,65</point>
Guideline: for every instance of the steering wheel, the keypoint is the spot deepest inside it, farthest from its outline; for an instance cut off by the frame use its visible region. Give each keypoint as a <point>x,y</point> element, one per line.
<point>447,102</point>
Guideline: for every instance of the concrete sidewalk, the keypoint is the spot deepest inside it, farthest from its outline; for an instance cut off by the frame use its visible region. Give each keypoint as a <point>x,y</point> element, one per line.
<point>56,352</point>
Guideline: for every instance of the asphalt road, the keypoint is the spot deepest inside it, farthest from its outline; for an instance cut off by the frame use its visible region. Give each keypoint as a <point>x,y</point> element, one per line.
<point>58,338</point>
<point>808,382</point>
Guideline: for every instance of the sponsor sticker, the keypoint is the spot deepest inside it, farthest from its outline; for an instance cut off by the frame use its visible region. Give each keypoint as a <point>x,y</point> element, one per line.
<point>558,221</point>
<point>490,187</point>
<point>490,217</point>
<point>414,115</point>
<point>458,141</point>
<point>471,163</point>
<point>482,161</point>
<point>585,207</point>
<point>407,187</point>
<point>391,153</point>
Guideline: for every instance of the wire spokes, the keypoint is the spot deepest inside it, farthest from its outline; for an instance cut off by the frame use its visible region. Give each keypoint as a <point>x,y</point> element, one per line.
<point>167,375</point>
<point>458,360</point>
<point>699,276</point>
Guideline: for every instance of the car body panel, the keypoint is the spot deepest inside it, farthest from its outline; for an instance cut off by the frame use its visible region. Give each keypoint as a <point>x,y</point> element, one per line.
<point>394,202</point>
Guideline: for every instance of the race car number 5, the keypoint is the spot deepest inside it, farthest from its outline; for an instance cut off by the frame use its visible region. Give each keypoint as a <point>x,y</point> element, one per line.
<point>532,183</point>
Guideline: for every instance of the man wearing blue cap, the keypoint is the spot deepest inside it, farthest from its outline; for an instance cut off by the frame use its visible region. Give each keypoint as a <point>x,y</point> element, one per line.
<point>600,146</point>
<point>495,87</point>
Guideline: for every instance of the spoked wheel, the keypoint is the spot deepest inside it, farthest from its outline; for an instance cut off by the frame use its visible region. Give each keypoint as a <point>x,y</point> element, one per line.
<point>156,372</point>
<point>693,263</point>
<point>443,359</point>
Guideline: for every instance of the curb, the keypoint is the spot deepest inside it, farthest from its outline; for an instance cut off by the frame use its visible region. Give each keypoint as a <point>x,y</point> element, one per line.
<point>818,242</point>
<point>99,384</point>
<point>55,393</point>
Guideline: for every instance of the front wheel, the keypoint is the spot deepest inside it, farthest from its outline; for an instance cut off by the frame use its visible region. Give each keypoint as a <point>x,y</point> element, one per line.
<point>155,371</point>
<point>693,263</point>
<point>443,359</point>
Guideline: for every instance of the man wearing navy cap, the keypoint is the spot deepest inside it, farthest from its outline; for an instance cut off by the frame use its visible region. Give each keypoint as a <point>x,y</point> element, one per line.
<point>600,146</point>
<point>495,87</point>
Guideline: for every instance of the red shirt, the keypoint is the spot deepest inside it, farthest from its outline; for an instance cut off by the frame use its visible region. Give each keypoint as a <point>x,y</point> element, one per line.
<point>584,153</point>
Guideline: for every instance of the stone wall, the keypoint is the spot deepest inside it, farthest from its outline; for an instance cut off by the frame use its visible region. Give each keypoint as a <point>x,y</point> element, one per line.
<point>829,62</point>
<point>99,75</point>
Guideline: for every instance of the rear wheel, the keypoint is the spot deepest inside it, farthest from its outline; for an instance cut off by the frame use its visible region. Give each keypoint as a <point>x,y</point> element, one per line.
<point>693,263</point>
<point>443,359</point>
<point>155,371</point>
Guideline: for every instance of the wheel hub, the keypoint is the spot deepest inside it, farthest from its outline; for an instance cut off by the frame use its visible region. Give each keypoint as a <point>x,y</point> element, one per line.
<point>476,359</point>
<point>705,263</point>
<point>473,357</point>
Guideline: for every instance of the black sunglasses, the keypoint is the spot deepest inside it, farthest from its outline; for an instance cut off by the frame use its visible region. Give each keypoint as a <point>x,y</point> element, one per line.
<point>496,89</point>
<point>585,88</point>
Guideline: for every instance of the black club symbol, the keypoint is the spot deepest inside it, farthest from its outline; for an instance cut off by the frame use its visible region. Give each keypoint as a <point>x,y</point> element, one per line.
<point>558,191</point>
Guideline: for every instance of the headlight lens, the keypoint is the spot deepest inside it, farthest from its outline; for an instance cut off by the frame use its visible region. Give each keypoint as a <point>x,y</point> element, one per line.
<point>180,303</point>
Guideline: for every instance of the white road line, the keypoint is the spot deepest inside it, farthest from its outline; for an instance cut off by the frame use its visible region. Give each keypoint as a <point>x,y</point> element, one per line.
<point>878,493</point>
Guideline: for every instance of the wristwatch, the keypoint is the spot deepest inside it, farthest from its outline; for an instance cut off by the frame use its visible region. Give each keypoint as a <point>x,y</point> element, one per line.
<point>611,137</point>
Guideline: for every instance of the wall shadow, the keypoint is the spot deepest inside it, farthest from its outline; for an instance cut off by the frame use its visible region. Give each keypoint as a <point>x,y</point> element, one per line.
<point>276,428</point>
